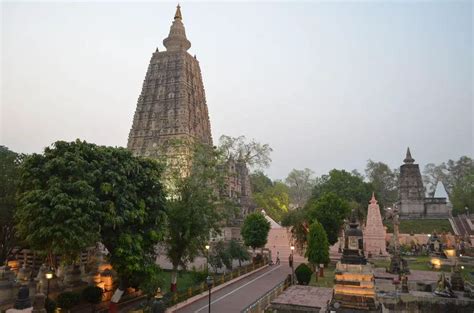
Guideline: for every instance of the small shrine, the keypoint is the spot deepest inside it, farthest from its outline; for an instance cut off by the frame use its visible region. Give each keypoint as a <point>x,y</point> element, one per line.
<point>374,232</point>
<point>354,288</point>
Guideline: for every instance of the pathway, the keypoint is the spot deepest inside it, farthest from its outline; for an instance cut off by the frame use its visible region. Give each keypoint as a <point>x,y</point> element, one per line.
<point>237,296</point>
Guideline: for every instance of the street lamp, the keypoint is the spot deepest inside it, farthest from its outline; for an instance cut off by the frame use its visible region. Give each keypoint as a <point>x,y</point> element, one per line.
<point>210,282</point>
<point>49,276</point>
<point>207,257</point>
<point>291,264</point>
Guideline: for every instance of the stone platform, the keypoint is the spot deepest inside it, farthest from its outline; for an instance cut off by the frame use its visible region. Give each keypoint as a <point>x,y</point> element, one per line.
<point>299,298</point>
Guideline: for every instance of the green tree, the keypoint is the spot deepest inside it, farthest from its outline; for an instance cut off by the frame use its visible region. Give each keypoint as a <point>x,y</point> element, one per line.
<point>57,203</point>
<point>237,251</point>
<point>463,195</point>
<point>254,154</point>
<point>317,250</point>
<point>297,222</point>
<point>77,193</point>
<point>330,210</point>
<point>259,182</point>
<point>9,172</point>
<point>219,256</point>
<point>300,184</point>
<point>384,182</point>
<point>255,230</point>
<point>347,186</point>
<point>274,200</point>
<point>194,208</point>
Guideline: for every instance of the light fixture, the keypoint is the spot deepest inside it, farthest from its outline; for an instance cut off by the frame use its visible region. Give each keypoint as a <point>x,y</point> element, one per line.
<point>207,247</point>
<point>292,248</point>
<point>462,267</point>
<point>49,275</point>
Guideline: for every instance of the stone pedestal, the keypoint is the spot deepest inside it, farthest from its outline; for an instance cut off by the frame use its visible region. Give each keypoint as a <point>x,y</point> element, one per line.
<point>354,287</point>
<point>39,303</point>
<point>22,300</point>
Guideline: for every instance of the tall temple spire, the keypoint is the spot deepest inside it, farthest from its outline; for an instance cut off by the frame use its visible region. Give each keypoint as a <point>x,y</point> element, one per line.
<point>408,158</point>
<point>176,40</point>
<point>373,200</point>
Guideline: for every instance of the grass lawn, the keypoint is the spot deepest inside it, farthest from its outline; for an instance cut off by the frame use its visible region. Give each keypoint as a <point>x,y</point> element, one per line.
<point>185,280</point>
<point>326,281</point>
<point>421,226</point>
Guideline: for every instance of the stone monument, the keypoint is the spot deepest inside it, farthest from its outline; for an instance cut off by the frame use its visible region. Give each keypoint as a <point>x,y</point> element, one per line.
<point>412,200</point>
<point>354,283</point>
<point>398,265</point>
<point>172,113</point>
<point>172,104</point>
<point>374,231</point>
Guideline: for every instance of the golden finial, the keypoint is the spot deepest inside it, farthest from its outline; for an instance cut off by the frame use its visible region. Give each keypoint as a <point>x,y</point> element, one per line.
<point>178,13</point>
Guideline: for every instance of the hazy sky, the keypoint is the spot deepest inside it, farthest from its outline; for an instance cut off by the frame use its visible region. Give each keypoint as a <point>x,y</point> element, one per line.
<point>326,84</point>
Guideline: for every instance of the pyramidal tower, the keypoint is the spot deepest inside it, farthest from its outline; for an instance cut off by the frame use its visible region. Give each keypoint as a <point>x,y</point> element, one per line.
<point>172,104</point>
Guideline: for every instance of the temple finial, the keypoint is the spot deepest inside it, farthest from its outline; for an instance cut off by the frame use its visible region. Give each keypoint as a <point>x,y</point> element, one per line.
<point>176,40</point>
<point>373,200</point>
<point>408,158</point>
<point>178,15</point>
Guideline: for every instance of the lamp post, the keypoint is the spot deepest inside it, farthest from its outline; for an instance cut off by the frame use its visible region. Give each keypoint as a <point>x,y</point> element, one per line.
<point>291,264</point>
<point>49,276</point>
<point>207,257</point>
<point>210,282</point>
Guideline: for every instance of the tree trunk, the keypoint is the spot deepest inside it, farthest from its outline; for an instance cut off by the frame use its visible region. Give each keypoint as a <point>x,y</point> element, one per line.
<point>174,279</point>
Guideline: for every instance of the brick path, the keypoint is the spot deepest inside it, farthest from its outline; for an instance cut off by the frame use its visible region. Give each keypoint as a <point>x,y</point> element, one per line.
<point>242,293</point>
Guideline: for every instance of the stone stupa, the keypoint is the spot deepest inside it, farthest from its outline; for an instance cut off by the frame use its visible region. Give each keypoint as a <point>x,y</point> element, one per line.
<point>374,232</point>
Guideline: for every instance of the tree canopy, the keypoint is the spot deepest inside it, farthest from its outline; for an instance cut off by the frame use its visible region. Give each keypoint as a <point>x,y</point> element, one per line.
<point>255,230</point>
<point>347,186</point>
<point>384,182</point>
<point>9,172</point>
<point>329,210</point>
<point>254,154</point>
<point>274,200</point>
<point>78,193</point>
<point>195,208</point>
<point>317,250</point>
<point>300,184</point>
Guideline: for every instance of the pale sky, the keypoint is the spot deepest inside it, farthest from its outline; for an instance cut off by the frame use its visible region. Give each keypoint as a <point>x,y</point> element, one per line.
<point>326,84</point>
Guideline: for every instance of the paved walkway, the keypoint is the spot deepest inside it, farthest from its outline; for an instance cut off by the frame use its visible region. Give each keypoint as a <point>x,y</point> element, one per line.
<point>242,293</point>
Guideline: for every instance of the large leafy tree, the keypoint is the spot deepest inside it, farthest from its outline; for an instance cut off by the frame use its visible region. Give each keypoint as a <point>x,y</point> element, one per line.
<point>330,210</point>
<point>384,182</point>
<point>462,196</point>
<point>260,182</point>
<point>195,207</point>
<point>253,153</point>
<point>57,201</point>
<point>274,200</point>
<point>317,250</point>
<point>255,230</point>
<point>347,186</point>
<point>300,184</point>
<point>237,251</point>
<point>219,256</point>
<point>9,172</point>
<point>78,193</point>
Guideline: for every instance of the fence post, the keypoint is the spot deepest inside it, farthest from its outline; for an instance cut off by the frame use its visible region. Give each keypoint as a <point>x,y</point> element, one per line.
<point>190,292</point>
<point>175,297</point>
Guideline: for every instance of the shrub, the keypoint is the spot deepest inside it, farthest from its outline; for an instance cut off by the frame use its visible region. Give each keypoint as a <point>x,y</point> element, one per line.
<point>303,274</point>
<point>198,276</point>
<point>67,300</point>
<point>92,294</point>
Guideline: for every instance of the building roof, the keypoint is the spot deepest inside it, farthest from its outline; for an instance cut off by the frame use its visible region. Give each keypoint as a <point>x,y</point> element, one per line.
<point>440,191</point>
